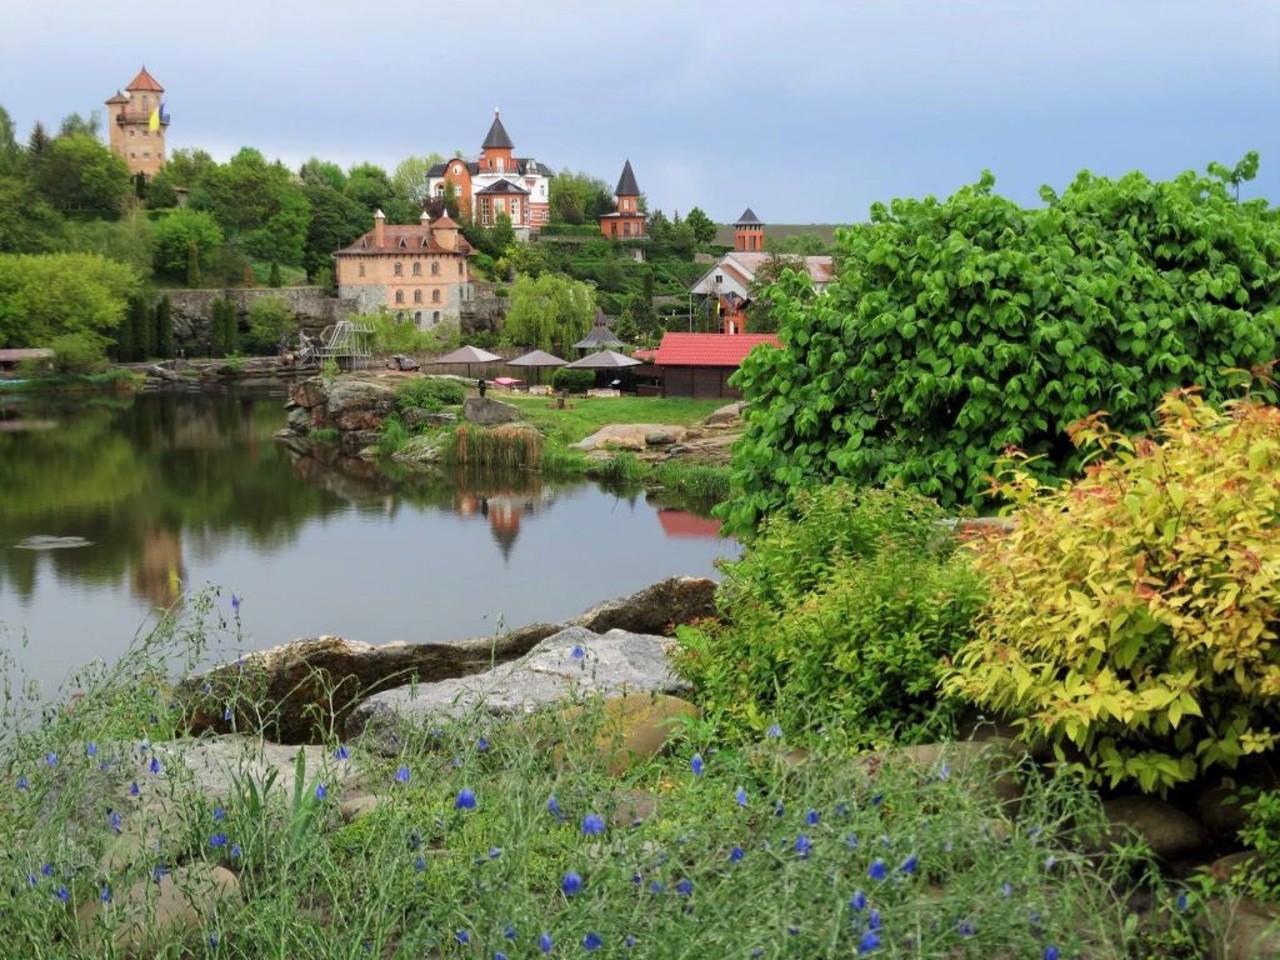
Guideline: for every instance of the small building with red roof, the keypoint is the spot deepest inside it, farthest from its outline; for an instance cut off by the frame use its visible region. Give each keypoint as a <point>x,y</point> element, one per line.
<point>417,271</point>
<point>627,221</point>
<point>700,364</point>
<point>137,123</point>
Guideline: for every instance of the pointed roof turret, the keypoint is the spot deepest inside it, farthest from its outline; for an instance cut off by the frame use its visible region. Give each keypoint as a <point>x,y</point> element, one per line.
<point>627,183</point>
<point>497,138</point>
<point>748,219</point>
<point>119,98</point>
<point>145,82</point>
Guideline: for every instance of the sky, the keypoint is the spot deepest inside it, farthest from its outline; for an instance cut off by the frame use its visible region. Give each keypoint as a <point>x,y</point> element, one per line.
<point>807,111</point>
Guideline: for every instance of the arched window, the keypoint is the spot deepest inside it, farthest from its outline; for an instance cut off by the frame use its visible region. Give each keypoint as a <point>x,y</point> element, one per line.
<point>417,296</point>
<point>435,317</point>
<point>399,270</point>
<point>417,316</point>
<point>362,269</point>
<point>435,268</point>
<point>459,268</point>
<point>435,296</point>
<point>399,296</point>
<point>417,269</point>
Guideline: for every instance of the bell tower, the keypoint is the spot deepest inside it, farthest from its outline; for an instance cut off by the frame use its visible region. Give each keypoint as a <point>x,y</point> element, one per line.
<point>748,233</point>
<point>137,123</point>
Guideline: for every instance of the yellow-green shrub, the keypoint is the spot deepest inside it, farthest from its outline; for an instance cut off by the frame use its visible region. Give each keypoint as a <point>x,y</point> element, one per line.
<point>1133,614</point>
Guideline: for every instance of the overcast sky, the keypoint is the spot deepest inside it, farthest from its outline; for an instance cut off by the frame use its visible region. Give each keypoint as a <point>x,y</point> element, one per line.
<point>806,111</point>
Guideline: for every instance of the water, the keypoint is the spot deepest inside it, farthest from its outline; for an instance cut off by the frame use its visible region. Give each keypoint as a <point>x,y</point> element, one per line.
<point>173,493</point>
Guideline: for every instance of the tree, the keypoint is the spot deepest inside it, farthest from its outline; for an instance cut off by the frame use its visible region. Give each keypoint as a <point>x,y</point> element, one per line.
<point>804,244</point>
<point>258,206</point>
<point>74,125</point>
<point>273,277</point>
<point>336,221</point>
<point>957,329</point>
<point>127,240</point>
<point>11,154</point>
<point>48,295</point>
<point>164,327</point>
<point>184,239</point>
<point>321,173</point>
<point>270,320</point>
<point>701,226</point>
<point>224,333</point>
<point>410,179</point>
<point>28,224</point>
<point>577,198</point>
<point>550,313</point>
<point>78,175</point>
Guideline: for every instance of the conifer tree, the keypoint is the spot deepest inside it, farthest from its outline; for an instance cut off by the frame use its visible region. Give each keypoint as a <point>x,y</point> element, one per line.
<point>164,328</point>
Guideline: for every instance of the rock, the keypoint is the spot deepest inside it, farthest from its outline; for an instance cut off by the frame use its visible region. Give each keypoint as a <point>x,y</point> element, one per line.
<point>359,806</point>
<point>486,412</point>
<point>726,414</point>
<point>164,373</point>
<point>1170,833</point>
<point>664,436</point>
<point>1242,929</point>
<point>632,808</point>
<point>572,663</point>
<point>632,728</point>
<point>149,914</point>
<point>1225,869</point>
<point>359,405</point>
<point>630,436</point>
<point>712,451</point>
<point>1221,811</point>
<point>656,609</point>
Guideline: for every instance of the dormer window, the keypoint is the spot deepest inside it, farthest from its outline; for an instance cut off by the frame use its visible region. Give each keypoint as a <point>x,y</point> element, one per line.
<point>402,243</point>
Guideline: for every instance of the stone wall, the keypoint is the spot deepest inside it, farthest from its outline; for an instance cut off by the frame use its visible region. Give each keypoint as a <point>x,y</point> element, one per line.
<point>314,308</point>
<point>484,311</point>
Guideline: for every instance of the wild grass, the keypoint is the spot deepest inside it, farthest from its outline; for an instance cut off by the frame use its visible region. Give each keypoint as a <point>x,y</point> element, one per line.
<point>485,842</point>
<point>504,447</point>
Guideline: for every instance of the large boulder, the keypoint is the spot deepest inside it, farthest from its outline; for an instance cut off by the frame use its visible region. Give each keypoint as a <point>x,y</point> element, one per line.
<point>572,663</point>
<point>631,436</point>
<point>1169,832</point>
<point>656,609</point>
<point>151,913</point>
<point>359,405</point>
<point>485,412</point>
<point>729,413</point>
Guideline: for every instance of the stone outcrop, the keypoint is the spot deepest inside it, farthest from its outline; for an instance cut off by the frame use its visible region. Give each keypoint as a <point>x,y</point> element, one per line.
<point>486,412</point>
<point>310,685</point>
<point>573,663</point>
<point>631,436</point>
<point>353,406</point>
<point>728,414</point>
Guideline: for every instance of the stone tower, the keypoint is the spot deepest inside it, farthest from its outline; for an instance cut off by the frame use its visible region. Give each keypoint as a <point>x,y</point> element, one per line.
<point>137,122</point>
<point>748,233</point>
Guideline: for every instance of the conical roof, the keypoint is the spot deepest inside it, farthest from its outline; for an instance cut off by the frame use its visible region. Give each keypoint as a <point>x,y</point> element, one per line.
<point>469,354</point>
<point>145,82</point>
<point>627,183</point>
<point>537,358</point>
<point>603,360</point>
<point>748,219</point>
<point>600,336</point>
<point>497,138</point>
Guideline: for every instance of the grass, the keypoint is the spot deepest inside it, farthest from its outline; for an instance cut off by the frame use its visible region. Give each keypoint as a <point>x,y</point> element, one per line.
<point>485,843</point>
<point>589,414</point>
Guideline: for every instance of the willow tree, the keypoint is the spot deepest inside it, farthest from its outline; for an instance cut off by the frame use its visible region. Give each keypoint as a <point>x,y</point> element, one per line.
<point>550,313</point>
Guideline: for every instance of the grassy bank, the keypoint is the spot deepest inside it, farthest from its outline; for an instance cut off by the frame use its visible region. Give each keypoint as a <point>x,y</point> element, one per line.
<point>115,380</point>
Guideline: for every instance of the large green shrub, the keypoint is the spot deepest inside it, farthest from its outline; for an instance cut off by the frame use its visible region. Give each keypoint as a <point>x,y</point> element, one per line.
<point>429,393</point>
<point>838,616</point>
<point>1134,616</point>
<point>957,328</point>
<point>575,381</point>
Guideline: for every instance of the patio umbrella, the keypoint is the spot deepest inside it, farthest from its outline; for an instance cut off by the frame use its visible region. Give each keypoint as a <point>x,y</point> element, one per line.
<point>469,355</point>
<point>603,360</point>
<point>537,359</point>
<point>600,336</point>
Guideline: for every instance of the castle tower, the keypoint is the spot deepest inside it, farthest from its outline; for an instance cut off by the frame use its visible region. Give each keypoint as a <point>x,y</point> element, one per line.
<point>496,153</point>
<point>137,123</point>
<point>627,223</point>
<point>748,233</point>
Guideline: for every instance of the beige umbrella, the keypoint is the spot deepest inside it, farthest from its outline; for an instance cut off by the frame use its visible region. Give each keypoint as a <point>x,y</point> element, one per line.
<point>469,355</point>
<point>537,359</point>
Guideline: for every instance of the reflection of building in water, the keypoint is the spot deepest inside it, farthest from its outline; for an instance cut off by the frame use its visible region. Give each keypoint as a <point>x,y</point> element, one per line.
<point>682,524</point>
<point>504,509</point>
<point>160,572</point>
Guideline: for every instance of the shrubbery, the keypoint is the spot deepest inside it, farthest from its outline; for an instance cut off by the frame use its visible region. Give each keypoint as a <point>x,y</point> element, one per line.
<point>575,381</point>
<point>839,617</point>
<point>957,328</point>
<point>1134,618</point>
<point>429,393</point>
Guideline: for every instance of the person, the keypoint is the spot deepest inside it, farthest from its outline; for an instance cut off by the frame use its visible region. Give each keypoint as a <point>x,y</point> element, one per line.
<point>481,385</point>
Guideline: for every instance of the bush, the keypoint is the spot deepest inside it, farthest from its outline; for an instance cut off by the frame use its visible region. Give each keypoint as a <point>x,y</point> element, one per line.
<point>838,618</point>
<point>958,328</point>
<point>78,353</point>
<point>574,381</point>
<point>429,394</point>
<point>1135,613</point>
<point>1262,832</point>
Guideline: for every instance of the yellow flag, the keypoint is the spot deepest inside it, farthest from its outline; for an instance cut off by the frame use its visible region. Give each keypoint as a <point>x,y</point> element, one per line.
<point>153,124</point>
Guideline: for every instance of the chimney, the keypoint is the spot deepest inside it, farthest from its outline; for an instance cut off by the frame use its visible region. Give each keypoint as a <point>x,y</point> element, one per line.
<point>379,228</point>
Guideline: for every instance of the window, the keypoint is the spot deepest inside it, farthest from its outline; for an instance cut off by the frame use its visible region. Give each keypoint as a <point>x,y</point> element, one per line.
<point>417,269</point>
<point>399,270</point>
<point>399,296</point>
<point>146,154</point>
<point>435,268</point>
<point>435,296</point>
<point>417,296</point>
<point>459,268</point>
<point>515,210</point>
<point>719,279</point>
<point>362,269</point>
<point>146,132</point>
<point>626,228</point>
<point>417,316</point>
<point>435,317</point>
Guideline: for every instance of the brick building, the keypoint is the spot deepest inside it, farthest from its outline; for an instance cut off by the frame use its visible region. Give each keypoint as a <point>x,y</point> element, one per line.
<point>137,123</point>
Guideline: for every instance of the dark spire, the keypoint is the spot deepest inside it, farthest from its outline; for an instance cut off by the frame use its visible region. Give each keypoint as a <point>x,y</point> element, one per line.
<point>748,219</point>
<point>497,138</point>
<point>627,183</point>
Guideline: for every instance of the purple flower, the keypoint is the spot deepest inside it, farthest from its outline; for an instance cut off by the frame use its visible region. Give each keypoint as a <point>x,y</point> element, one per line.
<point>235,851</point>
<point>571,884</point>
<point>870,941</point>
<point>509,932</point>
<point>235,604</point>
<point>226,715</point>
<point>774,731</point>
<point>544,942</point>
<point>592,941</point>
<point>736,854</point>
<point>1182,902</point>
<point>858,902</point>
<point>655,887</point>
<point>696,764</point>
<point>778,808</point>
<point>593,824</point>
<point>684,887</point>
<point>482,745</point>
<point>1051,952</point>
<point>966,928</point>
<point>219,839</point>
<point>495,853</point>
<point>63,894</point>
<point>577,652</point>
<point>553,807</point>
<point>342,753</point>
<point>877,871</point>
<point>909,865</point>
<point>154,765</point>
<point>219,814</point>
<point>873,919</point>
<point>630,941</point>
<point>466,799</point>
<point>22,783</point>
<point>499,956</point>
<point>51,759</point>
<point>741,796</point>
<point>321,792</point>
<point>402,775</point>
<point>851,841</point>
<point>104,894</point>
<point>803,846</point>
<point>116,821</point>
<point>159,872</point>
<point>47,869</point>
<point>91,750</point>
<point>462,937</point>
<point>419,864</point>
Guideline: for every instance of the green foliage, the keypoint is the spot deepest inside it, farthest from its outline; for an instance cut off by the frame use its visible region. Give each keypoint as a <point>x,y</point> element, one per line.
<point>336,221</point>
<point>955,329</point>
<point>803,244</point>
<point>429,393</point>
<point>579,199</point>
<point>270,320</point>
<point>127,240</point>
<point>701,226</point>
<point>550,313</point>
<point>511,446</point>
<point>1262,833</point>
<point>48,295</point>
<point>257,205</point>
<point>396,334</point>
<point>1133,613</point>
<point>164,327</point>
<point>77,353</point>
<point>224,328</point>
<point>838,618</point>
<point>183,241</point>
<point>574,381</point>
<point>273,278</point>
<point>28,223</point>
<point>78,176</point>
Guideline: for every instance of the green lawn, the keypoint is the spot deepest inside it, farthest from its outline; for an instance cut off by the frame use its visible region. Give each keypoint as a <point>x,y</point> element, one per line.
<point>583,416</point>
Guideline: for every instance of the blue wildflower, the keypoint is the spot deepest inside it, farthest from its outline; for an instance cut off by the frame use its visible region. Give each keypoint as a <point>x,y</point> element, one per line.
<point>51,759</point>
<point>462,937</point>
<point>154,765</point>
<point>655,887</point>
<point>235,851</point>
<point>812,818</point>
<point>593,824</point>
<point>495,853</point>
<point>235,604</point>
<point>544,942</point>
<point>466,799</point>
<point>1182,902</point>
<point>571,884</point>
<point>342,753</point>
<point>966,928</point>
<point>774,731</point>
<point>736,854</point>
<point>873,919</point>
<point>630,941</point>
<point>870,941</point>
<point>219,814</point>
<point>877,799</point>
<point>32,879</point>
<point>851,841</point>
<point>482,745</point>
<point>214,940</point>
<point>877,871</point>
<point>104,894</point>
<point>553,807</point>
<point>509,932</point>
<point>592,941</point>
<point>321,791</point>
<point>47,869</point>
<point>577,652</point>
<point>684,887</point>
<point>219,839</point>
<point>419,864</point>
<point>842,809</point>
<point>1051,952</point>
<point>909,865</point>
<point>63,894</point>
<point>457,763</point>
<point>802,846</point>
<point>696,764</point>
<point>402,775</point>
<point>741,796</point>
<point>227,715</point>
<point>778,808</point>
<point>116,821</point>
<point>22,783</point>
<point>159,872</point>
<point>1006,889</point>
<point>499,956</point>
<point>858,902</point>
<point>1050,863</point>
<point>91,750</point>
<point>944,772</point>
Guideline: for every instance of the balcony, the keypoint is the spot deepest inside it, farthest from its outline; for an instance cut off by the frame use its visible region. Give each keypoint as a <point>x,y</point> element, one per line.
<point>123,118</point>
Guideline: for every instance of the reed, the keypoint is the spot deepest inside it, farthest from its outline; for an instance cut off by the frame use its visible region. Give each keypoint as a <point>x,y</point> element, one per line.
<point>509,446</point>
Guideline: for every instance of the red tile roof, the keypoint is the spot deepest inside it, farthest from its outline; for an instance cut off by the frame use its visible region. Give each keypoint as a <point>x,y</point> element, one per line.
<point>411,234</point>
<point>145,82</point>
<point>709,349</point>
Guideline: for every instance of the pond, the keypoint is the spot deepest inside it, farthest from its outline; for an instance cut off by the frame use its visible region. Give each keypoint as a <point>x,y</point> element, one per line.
<point>112,509</point>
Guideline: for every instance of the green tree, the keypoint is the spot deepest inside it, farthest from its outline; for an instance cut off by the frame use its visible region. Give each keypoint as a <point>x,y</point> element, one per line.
<point>804,244</point>
<point>322,173</point>
<point>11,153</point>
<point>176,235</point>
<point>577,198</point>
<point>74,125</point>
<point>273,277</point>
<point>141,323</point>
<point>258,206</point>
<point>127,240</point>
<point>957,329</point>
<point>336,221</point>
<point>48,295</point>
<point>78,175</point>
<point>410,179</point>
<point>164,327</point>
<point>270,320</point>
<point>701,226</point>
<point>550,313</point>
<point>28,224</point>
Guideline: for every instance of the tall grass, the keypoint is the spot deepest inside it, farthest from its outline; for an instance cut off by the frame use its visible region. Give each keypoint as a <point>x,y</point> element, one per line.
<point>506,447</point>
